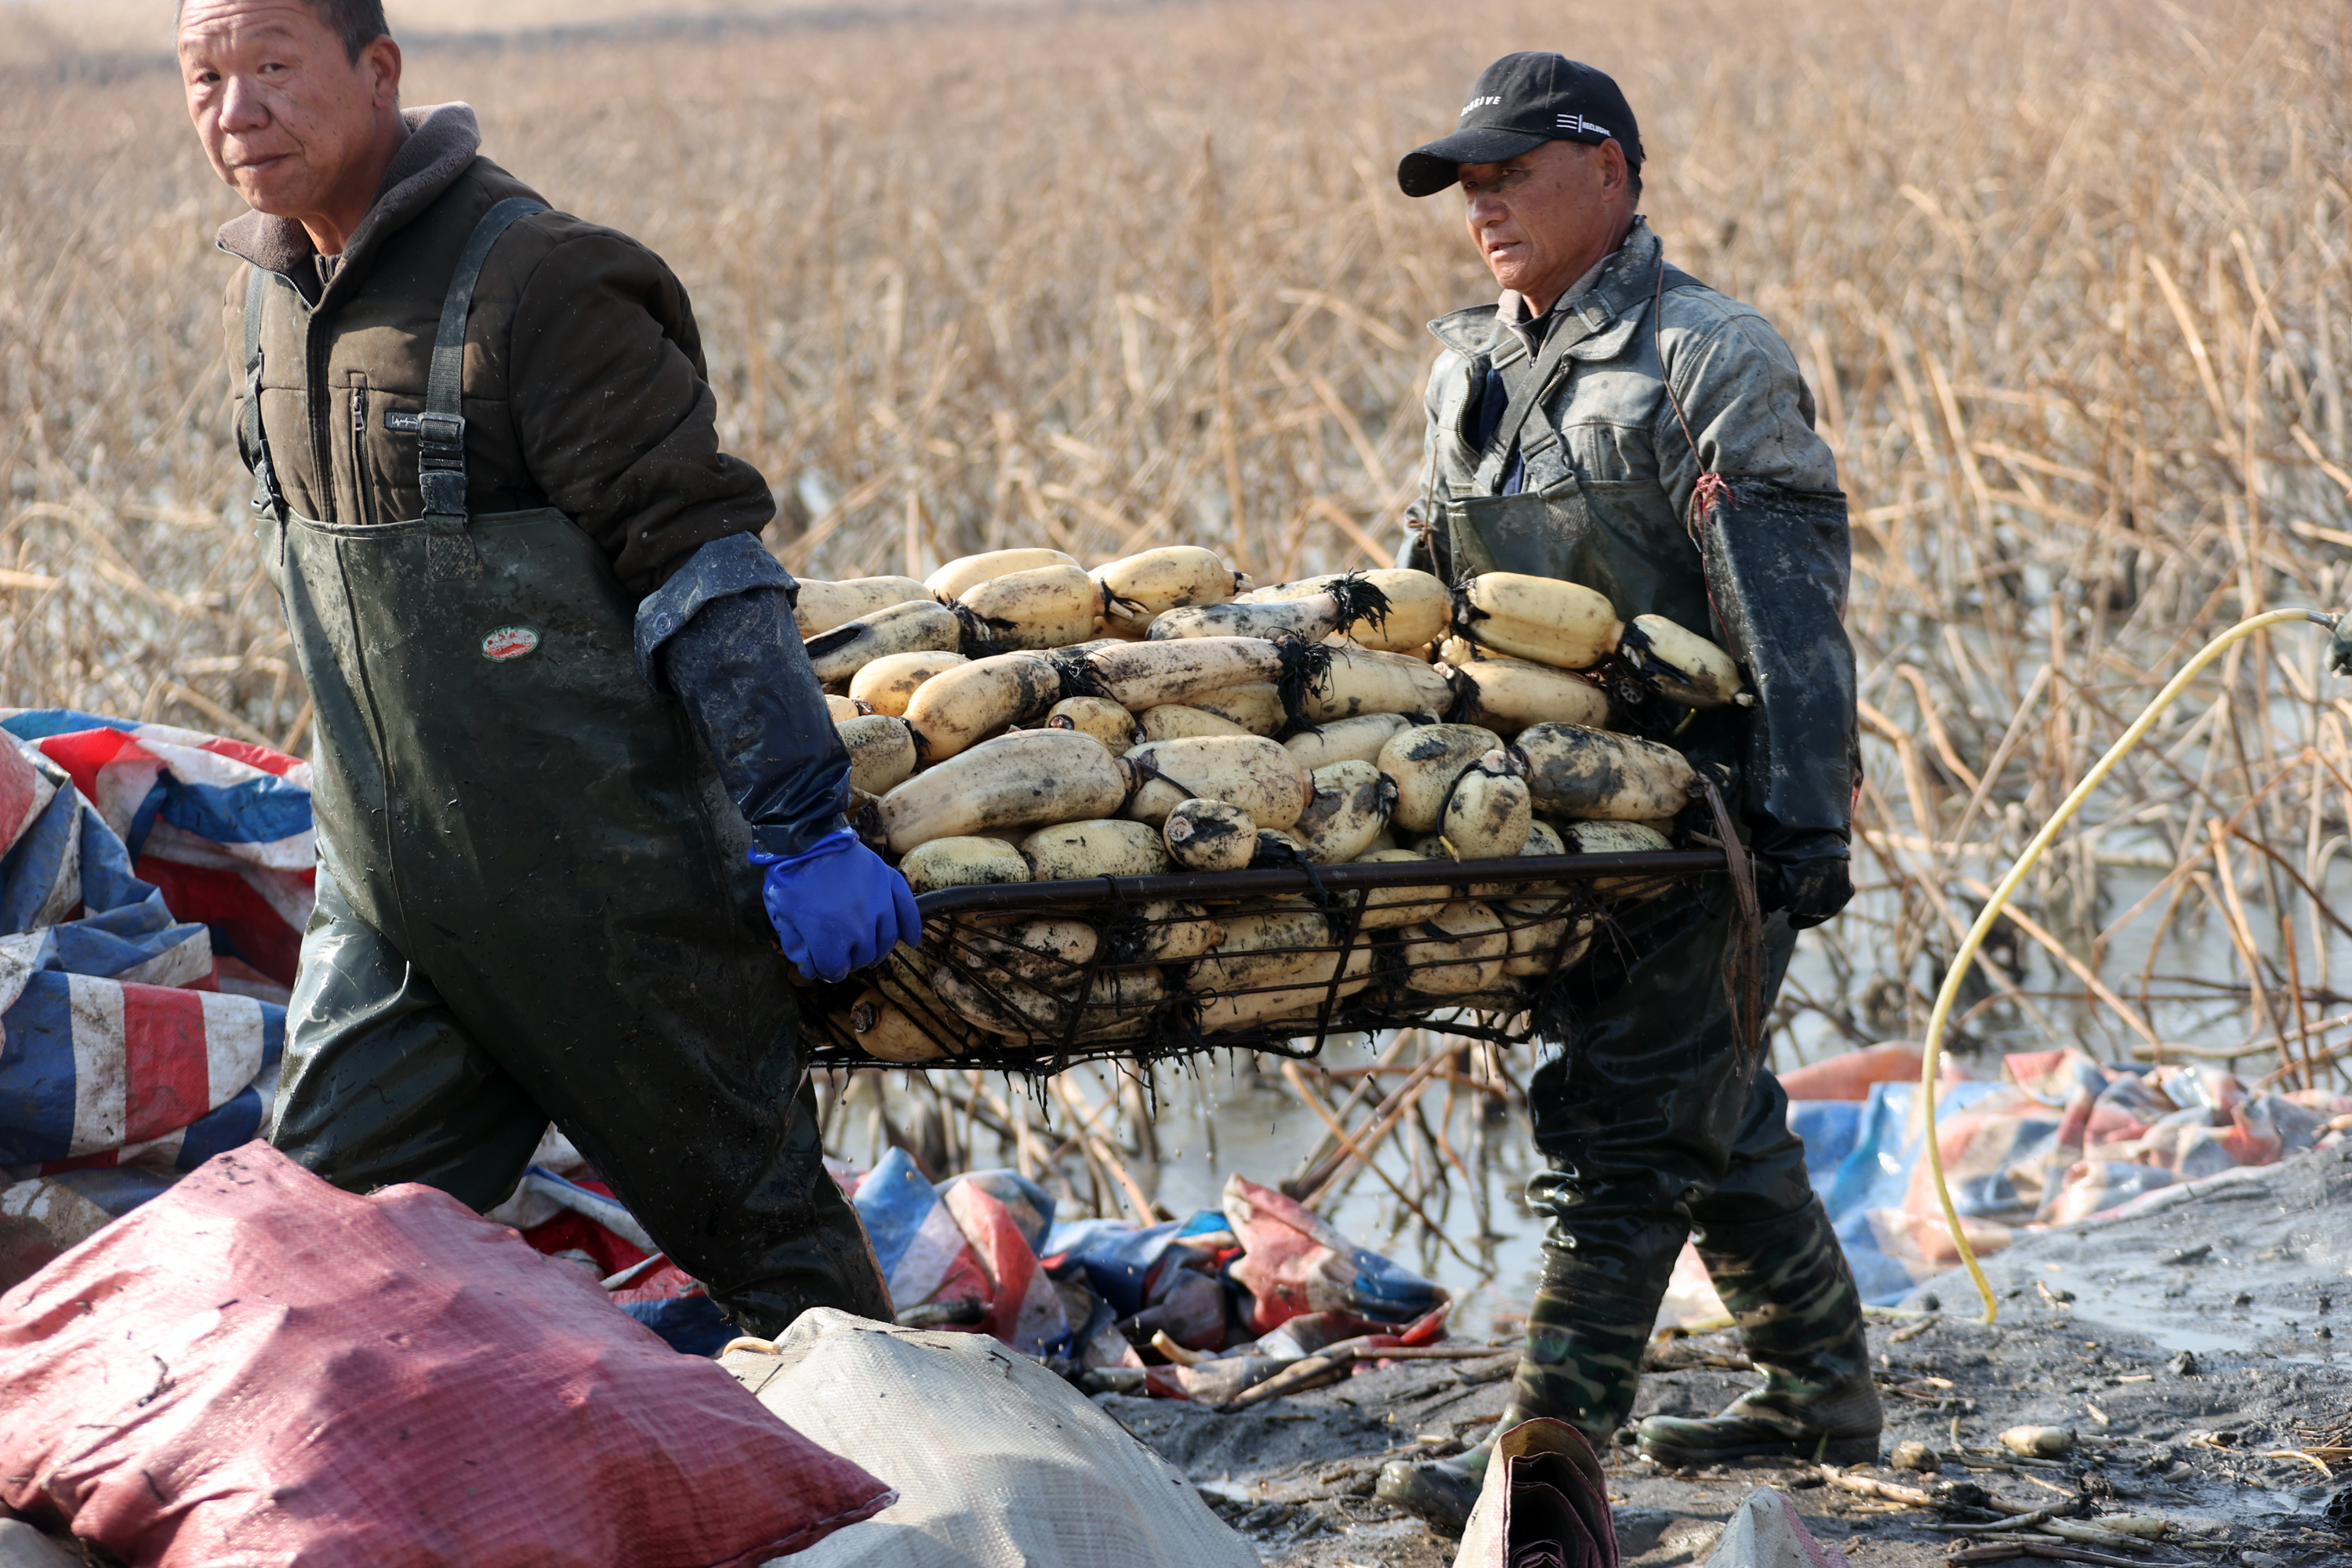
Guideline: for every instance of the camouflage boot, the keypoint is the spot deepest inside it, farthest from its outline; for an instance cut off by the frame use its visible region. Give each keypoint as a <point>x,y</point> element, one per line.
<point>1800,1322</point>
<point>1582,1362</point>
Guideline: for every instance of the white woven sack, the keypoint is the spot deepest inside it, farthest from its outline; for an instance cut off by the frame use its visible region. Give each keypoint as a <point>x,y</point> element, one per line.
<point>998,1463</point>
<point>1766,1533</point>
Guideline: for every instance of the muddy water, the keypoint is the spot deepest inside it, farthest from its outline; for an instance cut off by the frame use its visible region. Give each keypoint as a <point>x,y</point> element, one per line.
<point>2195,996</point>
<point>1264,1133</point>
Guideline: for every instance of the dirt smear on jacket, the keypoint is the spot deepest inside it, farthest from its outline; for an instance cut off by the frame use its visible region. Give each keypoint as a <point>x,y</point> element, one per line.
<point>2193,1349</point>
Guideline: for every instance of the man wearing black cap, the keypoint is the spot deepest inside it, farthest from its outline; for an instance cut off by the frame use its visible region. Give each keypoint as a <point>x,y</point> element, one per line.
<point>1614,421</point>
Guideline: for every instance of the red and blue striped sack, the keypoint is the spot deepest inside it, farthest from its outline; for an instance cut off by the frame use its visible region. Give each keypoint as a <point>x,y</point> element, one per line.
<point>118,1047</point>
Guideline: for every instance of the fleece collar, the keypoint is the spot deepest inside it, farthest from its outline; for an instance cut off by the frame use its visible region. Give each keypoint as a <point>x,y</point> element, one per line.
<point>1615,293</point>
<point>442,143</point>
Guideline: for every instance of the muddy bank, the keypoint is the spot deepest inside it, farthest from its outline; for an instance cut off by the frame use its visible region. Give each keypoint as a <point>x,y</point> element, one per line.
<point>2234,1443</point>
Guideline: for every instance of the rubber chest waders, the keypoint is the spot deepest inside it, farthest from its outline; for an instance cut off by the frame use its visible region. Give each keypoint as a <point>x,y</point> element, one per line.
<point>1551,529</point>
<point>1659,1112</point>
<point>522,842</point>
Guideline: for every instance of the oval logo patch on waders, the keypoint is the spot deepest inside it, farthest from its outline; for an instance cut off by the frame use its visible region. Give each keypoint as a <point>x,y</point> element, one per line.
<point>509,642</point>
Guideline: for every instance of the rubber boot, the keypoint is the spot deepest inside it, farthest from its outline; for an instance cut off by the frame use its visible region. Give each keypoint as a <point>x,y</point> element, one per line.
<point>1581,1365</point>
<point>1799,1318</point>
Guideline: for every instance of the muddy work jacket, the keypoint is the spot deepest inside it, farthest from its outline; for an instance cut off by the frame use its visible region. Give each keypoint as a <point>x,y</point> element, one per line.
<point>1603,470</point>
<point>586,389</point>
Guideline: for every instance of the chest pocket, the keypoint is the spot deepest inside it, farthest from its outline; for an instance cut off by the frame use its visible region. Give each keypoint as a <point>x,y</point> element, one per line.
<point>1606,415</point>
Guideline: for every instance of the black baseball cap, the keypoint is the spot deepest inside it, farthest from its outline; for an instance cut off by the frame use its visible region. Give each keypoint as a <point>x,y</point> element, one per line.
<point>1520,103</point>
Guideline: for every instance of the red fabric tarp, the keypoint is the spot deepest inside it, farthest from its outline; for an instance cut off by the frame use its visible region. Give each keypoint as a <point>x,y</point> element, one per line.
<point>258,1369</point>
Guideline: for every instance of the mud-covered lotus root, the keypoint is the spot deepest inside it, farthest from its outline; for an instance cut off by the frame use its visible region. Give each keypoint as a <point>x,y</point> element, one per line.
<point>1071,851</point>
<point>1359,680</point>
<point>965,572</point>
<point>962,861</point>
<point>1136,589</point>
<point>1678,664</point>
<point>1542,939</point>
<point>1210,836</point>
<point>1385,908</point>
<point>1461,950</point>
<point>1256,705</point>
<point>920,626</point>
<point>1046,606</point>
<point>1581,773</point>
<point>1277,849</point>
<point>1105,721</point>
<point>1266,949</point>
<point>881,752</point>
<point>821,606</point>
<point>1617,838</point>
<point>886,1034</point>
<point>1169,931</point>
<point>1176,721</point>
<point>1247,770</point>
<point>1489,813</point>
<point>1039,949</point>
<point>1343,740</point>
<point>1351,806</point>
<point>1424,762</point>
<point>887,684</point>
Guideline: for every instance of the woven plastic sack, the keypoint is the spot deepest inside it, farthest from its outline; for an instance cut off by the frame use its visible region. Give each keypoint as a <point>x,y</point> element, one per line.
<point>1765,1533</point>
<point>256,1369</point>
<point>1545,1504</point>
<point>1848,1077</point>
<point>1295,1261</point>
<point>998,1462</point>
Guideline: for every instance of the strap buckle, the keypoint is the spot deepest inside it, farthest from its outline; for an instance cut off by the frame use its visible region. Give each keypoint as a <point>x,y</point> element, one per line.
<point>440,437</point>
<point>445,492</point>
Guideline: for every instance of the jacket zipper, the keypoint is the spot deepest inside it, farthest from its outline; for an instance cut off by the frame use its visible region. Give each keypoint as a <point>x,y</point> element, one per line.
<point>363,476</point>
<point>320,415</point>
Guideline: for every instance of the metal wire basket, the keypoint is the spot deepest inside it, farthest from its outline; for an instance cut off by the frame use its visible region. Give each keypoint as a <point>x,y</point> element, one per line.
<point>1030,977</point>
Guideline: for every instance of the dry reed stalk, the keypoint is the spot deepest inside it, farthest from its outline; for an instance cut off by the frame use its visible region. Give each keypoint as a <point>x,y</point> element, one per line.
<point>2071,292</point>
<point>1314,1102</point>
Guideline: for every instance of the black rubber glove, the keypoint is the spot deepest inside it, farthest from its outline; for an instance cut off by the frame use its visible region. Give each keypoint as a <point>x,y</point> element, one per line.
<point>1812,891</point>
<point>2339,646</point>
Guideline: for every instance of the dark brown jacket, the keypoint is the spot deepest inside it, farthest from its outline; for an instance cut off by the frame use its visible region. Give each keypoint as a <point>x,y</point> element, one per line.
<point>586,386</point>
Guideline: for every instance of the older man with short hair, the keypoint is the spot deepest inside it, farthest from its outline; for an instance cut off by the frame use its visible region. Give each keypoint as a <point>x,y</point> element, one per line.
<point>567,743</point>
<point>1616,423</point>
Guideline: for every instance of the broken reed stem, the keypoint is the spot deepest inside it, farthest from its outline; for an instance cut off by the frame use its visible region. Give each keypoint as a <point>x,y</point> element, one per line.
<point>1391,1110</point>
<point>1315,1168</point>
<point>1314,1102</point>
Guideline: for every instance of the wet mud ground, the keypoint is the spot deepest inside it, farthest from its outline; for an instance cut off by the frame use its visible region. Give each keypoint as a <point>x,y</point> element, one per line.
<point>2249,1276</point>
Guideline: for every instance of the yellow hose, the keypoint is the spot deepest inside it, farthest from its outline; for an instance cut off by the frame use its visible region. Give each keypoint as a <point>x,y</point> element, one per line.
<point>1933,1054</point>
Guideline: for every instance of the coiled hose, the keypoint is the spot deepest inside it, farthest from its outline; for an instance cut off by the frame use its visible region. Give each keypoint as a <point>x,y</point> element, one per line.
<point>1933,1054</point>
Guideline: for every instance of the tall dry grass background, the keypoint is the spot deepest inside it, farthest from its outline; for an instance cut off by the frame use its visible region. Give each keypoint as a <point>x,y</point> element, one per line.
<point>2071,284</point>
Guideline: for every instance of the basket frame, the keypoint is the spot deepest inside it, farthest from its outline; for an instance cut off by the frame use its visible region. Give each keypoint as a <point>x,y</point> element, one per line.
<point>946,910</point>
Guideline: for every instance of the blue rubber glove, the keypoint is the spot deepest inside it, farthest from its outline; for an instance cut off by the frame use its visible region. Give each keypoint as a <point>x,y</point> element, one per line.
<point>836,907</point>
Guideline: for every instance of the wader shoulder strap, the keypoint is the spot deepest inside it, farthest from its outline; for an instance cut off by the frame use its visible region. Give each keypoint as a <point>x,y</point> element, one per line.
<point>1525,377</point>
<point>255,440</point>
<point>440,429</point>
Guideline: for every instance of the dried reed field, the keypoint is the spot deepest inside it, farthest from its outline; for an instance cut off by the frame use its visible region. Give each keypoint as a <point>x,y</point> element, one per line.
<point>2072,286</point>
